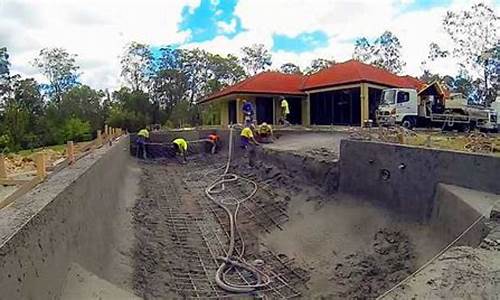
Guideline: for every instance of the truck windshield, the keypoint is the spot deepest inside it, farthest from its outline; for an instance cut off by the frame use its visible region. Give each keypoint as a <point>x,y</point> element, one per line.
<point>388,97</point>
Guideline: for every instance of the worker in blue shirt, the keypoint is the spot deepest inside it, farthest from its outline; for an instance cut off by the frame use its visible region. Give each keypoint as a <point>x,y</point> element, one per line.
<point>248,112</point>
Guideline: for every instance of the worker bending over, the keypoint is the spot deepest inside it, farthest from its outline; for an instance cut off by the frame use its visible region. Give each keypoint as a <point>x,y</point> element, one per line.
<point>142,137</point>
<point>213,142</point>
<point>285,111</point>
<point>180,146</point>
<point>265,133</point>
<point>248,143</point>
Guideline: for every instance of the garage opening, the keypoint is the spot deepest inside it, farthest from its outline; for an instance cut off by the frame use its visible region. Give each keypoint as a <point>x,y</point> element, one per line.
<point>264,109</point>
<point>342,107</point>
<point>295,105</point>
<point>231,106</point>
<point>373,102</point>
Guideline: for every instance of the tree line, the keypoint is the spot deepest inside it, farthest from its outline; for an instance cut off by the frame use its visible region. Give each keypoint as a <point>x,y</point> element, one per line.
<point>163,84</point>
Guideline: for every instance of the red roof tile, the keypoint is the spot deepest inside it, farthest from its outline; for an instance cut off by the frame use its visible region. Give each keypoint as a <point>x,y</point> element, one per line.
<point>353,71</point>
<point>264,83</point>
<point>349,72</point>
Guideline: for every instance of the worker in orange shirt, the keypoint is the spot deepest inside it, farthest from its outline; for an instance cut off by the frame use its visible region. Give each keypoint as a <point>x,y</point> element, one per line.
<point>213,142</point>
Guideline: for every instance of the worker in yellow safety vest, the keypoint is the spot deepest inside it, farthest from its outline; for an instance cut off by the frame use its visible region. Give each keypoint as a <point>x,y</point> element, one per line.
<point>180,146</point>
<point>248,142</point>
<point>247,138</point>
<point>142,137</point>
<point>285,111</point>
<point>265,133</point>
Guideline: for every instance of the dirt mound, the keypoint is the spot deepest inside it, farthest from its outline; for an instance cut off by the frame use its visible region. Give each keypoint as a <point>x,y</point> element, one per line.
<point>365,275</point>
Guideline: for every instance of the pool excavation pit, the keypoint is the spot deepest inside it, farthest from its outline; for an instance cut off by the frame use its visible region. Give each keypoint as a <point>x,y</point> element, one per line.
<point>346,220</point>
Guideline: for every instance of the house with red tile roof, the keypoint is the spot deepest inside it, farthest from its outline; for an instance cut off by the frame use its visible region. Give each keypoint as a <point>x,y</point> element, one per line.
<point>344,94</point>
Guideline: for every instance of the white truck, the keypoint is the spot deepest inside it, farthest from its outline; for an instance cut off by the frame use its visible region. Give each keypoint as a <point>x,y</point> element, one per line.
<point>432,107</point>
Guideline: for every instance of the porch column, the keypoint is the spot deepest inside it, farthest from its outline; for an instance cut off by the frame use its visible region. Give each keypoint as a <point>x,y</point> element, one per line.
<point>224,113</point>
<point>365,111</point>
<point>306,111</point>
<point>239,112</point>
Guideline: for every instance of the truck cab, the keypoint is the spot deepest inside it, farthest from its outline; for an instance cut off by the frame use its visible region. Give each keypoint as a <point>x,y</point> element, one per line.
<point>398,106</point>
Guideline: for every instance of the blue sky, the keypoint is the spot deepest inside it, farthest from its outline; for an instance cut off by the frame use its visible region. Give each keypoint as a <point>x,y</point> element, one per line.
<point>210,19</point>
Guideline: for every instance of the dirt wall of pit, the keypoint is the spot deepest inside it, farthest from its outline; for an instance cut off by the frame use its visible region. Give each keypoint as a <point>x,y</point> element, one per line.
<point>321,172</point>
<point>68,218</point>
<point>414,173</point>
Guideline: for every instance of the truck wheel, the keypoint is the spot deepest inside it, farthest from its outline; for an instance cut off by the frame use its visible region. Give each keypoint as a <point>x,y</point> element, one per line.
<point>408,123</point>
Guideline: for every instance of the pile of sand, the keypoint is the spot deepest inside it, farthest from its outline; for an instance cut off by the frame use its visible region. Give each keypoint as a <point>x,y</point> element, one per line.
<point>367,274</point>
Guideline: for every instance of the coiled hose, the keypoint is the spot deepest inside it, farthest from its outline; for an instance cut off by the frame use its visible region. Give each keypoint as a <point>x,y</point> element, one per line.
<point>230,262</point>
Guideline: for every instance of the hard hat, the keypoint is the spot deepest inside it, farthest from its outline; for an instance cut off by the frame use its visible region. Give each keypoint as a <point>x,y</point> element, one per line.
<point>264,124</point>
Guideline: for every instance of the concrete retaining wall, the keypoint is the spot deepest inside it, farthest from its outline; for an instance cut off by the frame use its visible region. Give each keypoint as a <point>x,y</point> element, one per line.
<point>411,188</point>
<point>66,219</point>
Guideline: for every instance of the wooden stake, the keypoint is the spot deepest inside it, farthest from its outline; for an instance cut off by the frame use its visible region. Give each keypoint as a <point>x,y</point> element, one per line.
<point>3,168</point>
<point>70,150</point>
<point>106,131</point>
<point>41,170</point>
<point>99,138</point>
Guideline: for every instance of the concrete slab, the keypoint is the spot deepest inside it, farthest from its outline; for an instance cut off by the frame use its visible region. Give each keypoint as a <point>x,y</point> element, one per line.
<point>305,141</point>
<point>481,202</point>
<point>82,284</point>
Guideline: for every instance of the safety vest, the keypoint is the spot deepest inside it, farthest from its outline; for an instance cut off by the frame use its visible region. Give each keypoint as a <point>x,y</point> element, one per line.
<point>265,129</point>
<point>247,132</point>
<point>284,106</point>
<point>143,133</point>
<point>213,137</point>
<point>183,145</point>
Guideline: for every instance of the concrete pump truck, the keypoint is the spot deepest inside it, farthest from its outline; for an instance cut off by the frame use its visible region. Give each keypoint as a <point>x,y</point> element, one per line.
<point>433,106</point>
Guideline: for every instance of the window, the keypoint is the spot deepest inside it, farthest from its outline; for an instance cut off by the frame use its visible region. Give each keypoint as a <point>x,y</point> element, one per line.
<point>403,97</point>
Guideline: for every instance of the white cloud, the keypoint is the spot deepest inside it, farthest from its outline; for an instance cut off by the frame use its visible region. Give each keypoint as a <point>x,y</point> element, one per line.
<point>97,30</point>
<point>227,27</point>
<point>343,22</point>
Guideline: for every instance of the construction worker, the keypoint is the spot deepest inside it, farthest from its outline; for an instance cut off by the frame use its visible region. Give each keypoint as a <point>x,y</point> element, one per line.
<point>248,112</point>
<point>180,146</point>
<point>285,111</point>
<point>142,137</point>
<point>248,142</point>
<point>213,142</point>
<point>265,133</point>
<point>247,138</point>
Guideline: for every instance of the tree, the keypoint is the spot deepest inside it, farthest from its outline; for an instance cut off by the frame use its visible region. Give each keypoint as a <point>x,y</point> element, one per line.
<point>224,71</point>
<point>290,68</point>
<point>131,110</point>
<point>319,64</point>
<point>137,66</point>
<point>436,52</point>
<point>76,130</point>
<point>363,51</point>
<point>4,72</point>
<point>84,103</point>
<point>60,68</point>
<point>474,33</point>
<point>384,53</point>
<point>387,53</point>
<point>256,58</point>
